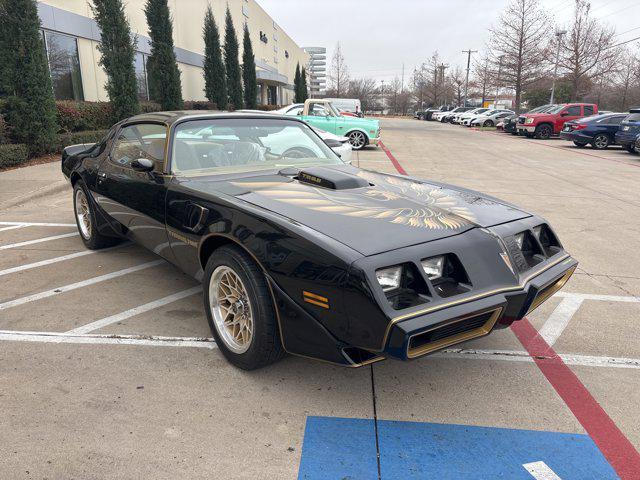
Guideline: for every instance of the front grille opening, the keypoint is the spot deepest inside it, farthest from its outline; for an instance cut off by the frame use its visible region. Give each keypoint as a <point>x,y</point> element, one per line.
<point>454,280</point>
<point>452,332</point>
<point>413,289</point>
<point>531,249</point>
<point>358,356</point>
<point>547,239</point>
<point>546,292</point>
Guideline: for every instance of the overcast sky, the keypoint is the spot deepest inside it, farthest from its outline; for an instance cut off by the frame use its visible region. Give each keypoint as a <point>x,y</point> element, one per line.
<point>377,36</point>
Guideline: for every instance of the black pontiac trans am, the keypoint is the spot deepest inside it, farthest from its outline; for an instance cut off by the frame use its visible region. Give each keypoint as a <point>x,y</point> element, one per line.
<point>300,252</point>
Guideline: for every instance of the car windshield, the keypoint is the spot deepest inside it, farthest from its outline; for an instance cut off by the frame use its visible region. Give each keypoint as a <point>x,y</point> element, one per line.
<point>555,109</point>
<point>244,145</point>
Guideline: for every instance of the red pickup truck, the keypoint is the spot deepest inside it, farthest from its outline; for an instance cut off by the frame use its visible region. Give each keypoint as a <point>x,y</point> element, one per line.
<point>543,125</point>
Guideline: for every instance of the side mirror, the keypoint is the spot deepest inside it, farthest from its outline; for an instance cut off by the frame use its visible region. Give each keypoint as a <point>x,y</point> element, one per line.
<point>142,165</point>
<point>332,143</point>
<point>564,114</point>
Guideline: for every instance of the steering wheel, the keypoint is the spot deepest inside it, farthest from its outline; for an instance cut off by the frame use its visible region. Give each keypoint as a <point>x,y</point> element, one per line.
<point>298,152</point>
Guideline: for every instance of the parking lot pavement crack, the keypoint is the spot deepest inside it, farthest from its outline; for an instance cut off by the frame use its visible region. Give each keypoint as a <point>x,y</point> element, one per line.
<point>375,419</point>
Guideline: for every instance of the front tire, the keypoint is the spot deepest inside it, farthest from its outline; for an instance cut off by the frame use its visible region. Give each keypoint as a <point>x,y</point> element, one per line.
<point>85,214</point>
<point>543,132</point>
<point>240,309</point>
<point>488,123</point>
<point>357,139</point>
<point>579,144</point>
<point>630,148</point>
<point>601,141</point>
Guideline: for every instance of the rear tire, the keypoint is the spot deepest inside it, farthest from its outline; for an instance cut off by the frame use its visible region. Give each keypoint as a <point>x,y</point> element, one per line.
<point>488,123</point>
<point>601,141</point>
<point>630,148</point>
<point>247,306</point>
<point>85,214</point>
<point>543,132</point>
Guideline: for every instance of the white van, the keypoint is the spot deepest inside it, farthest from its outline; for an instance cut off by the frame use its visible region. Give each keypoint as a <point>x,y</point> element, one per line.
<point>347,104</point>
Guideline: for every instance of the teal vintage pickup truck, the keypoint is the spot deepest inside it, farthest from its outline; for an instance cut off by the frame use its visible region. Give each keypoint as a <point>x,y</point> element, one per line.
<point>323,115</point>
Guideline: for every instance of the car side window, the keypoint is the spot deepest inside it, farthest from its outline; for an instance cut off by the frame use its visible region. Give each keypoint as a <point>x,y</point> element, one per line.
<point>615,120</point>
<point>318,110</point>
<point>573,111</point>
<point>142,140</point>
<point>588,110</point>
<point>295,111</point>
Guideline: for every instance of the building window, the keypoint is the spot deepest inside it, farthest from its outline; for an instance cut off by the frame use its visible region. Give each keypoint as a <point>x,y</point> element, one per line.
<point>245,11</point>
<point>140,64</point>
<point>64,66</point>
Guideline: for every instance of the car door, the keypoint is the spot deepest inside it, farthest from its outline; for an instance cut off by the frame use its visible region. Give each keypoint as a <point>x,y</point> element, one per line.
<point>134,199</point>
<point>322,117</point>
<point>611,125</point>
<point>570,113</point>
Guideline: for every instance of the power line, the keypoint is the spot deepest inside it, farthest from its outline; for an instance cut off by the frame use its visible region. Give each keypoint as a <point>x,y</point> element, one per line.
<point>622,43</point>
<point>634,4</point>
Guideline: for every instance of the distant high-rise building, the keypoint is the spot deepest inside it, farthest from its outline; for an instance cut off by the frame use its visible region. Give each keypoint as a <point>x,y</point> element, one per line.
<point>317,71</point>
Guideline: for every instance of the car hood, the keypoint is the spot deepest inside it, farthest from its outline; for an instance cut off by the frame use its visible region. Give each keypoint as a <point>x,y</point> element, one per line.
<point>368,211</point>
<point>536,115</point>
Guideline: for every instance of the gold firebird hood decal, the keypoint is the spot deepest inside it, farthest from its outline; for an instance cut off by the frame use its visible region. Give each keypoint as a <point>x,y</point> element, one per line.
<point>434,208</point>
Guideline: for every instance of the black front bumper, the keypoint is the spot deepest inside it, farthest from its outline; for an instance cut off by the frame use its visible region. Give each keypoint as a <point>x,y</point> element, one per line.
<point>478,316</point>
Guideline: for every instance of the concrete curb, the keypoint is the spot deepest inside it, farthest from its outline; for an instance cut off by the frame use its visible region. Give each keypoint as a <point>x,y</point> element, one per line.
<point>55,187</point>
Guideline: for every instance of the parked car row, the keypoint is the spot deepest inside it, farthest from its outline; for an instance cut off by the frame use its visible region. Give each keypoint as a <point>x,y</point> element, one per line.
<point>581,123</point>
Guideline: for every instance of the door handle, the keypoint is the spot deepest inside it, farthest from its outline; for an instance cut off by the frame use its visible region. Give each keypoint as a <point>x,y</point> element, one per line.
<point>196,217</point>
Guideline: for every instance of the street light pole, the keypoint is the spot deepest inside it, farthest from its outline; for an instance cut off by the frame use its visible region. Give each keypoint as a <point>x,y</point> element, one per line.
<point>495,102</point>
<point>559,35</point>
<point>466,83</point>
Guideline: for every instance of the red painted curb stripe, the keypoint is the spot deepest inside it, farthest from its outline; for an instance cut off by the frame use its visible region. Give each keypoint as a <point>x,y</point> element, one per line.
<point>392,158</point>
<point>616,448</point>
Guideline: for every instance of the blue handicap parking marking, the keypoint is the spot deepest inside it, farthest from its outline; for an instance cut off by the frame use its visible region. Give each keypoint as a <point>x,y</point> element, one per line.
<point>345,449</point>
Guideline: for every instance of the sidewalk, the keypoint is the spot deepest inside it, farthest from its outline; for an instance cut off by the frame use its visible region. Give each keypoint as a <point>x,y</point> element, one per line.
<point>22,184</point>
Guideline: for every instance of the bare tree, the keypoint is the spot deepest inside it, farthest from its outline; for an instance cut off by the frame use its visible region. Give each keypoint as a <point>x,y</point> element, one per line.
<point>364,89</point>
<point>339,73</point>
<point>484,77</point>
<point>456,83</point>
<point>587,51</point>
<point>626,79</point>
<point>520,40</point>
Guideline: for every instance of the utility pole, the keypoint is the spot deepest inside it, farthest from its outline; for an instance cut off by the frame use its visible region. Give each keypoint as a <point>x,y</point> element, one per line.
<point>559,34</point>
<point>402,81</point>
<point>382,97</point>
<point>466,83</point>
<point>495,102</point>
<point>441,68</point>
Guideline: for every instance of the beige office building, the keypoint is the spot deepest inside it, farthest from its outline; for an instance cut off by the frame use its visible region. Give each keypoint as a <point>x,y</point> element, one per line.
<point>72,36</point>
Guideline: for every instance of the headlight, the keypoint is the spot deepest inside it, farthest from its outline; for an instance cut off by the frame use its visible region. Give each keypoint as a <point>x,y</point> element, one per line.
<point>528,121</point>
<point>389,278</point>
<point>433,266</point>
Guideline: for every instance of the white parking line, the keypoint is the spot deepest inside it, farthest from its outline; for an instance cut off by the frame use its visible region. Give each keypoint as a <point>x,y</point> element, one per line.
<point>540,471</point>
<point>39,224</point>
<point>522,356</point>
<point>74,286</point>
<point>600,298</point>
<point>37,240</point>
<point>135,311</point>
<point>560,318</point>
<point>13,227</point>
<point>62,258</point>
<point>146,340</point>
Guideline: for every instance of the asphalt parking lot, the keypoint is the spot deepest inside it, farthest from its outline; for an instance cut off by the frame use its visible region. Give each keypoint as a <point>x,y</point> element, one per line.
<point>107,369</point>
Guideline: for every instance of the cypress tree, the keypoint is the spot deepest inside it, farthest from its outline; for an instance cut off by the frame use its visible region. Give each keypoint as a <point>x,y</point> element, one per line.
<point>118,52</point>
<point>296,84</point>
<point>304,91</point>
<point>232,63</point>
<point>6,52</point>
<point>162,67</point>
<point>215,80</point>
<point>249,72</point>
<point>31,109</point>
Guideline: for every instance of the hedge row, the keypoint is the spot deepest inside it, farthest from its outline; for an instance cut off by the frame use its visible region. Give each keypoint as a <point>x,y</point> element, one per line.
<point>13,154</point>
<point>79,116</point>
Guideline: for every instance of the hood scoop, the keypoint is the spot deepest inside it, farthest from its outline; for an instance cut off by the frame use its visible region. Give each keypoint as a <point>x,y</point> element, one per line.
<point>331,179</point>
